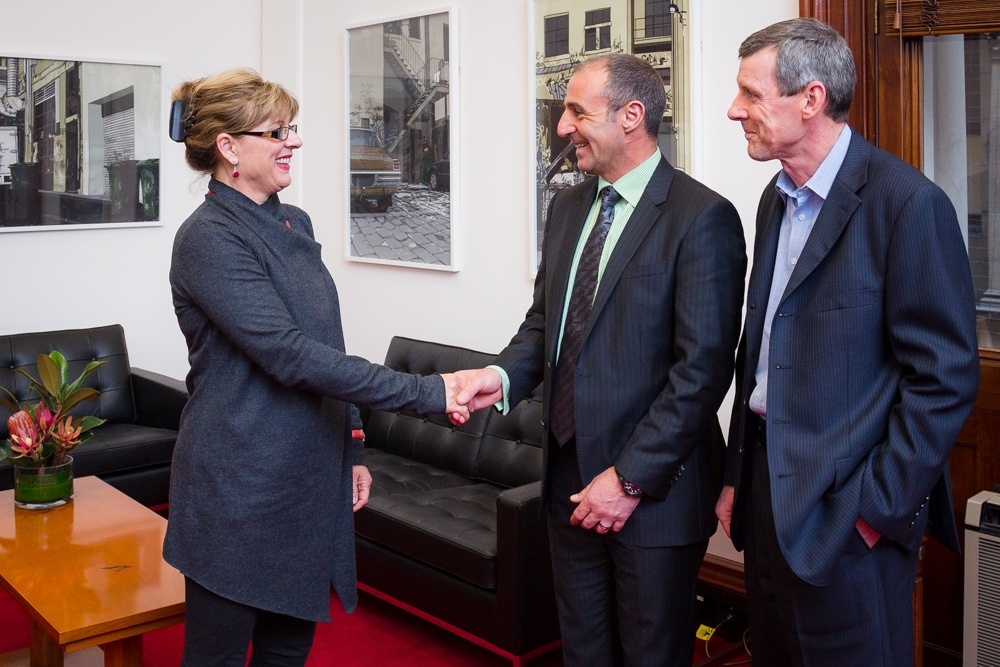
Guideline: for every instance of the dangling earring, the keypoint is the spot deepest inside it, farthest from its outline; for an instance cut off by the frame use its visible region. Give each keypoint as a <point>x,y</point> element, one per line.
<point>236,173</point>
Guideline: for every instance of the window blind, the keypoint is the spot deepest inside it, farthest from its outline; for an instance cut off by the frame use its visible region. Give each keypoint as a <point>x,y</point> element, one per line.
<point>919,18</point>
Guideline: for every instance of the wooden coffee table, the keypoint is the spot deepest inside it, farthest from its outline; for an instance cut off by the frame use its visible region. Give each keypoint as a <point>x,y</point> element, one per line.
<point>89,573</point>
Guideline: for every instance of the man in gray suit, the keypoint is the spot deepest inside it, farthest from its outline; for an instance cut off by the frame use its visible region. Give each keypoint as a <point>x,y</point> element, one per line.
<point>633,328</point>
<point>857,367</point>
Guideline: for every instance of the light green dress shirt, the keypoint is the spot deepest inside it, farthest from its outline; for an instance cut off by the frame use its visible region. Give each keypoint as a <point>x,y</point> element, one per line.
<point>630,186</point>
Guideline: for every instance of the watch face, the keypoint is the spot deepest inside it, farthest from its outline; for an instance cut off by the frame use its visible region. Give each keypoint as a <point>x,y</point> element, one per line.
<point>628,487</point>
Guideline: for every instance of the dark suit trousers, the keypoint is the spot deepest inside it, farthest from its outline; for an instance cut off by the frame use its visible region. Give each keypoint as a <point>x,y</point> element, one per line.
<point>618,604</point>
<point>863,617</point>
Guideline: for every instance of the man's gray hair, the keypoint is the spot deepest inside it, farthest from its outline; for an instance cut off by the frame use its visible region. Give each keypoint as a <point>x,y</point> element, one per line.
<point>809,50</point>
<point>631,78</point>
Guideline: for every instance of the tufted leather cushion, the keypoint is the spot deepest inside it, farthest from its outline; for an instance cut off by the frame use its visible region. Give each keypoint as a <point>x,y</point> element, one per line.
<point>511,453</point>
<point>435,486</point>
<point>430,439</point>
<point>447,522</point>
<point>132,451</point>
<point>80,347</point>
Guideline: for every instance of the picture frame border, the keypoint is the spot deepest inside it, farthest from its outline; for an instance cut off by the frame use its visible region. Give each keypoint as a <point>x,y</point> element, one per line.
<point>693,91</point>
<point>160,140</point>
<point>454,98</point>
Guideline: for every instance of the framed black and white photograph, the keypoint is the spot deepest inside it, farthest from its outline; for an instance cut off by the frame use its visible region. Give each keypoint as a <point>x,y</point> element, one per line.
<point>79,144</point>
<point>402,133</point>
<point>567,32</point>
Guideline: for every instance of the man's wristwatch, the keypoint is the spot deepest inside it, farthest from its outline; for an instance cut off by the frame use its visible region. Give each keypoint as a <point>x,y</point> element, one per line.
<point>628,487</point>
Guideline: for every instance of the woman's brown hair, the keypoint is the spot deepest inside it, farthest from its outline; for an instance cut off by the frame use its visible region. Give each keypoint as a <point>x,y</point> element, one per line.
<point>236,100</point>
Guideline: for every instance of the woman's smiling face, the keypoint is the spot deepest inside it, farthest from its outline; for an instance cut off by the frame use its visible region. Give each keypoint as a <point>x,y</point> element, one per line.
<point>264,162</point>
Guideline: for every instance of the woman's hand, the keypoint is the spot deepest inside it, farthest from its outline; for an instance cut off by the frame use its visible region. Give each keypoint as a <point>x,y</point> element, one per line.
<point>361,487</point>
<point>453,384</point>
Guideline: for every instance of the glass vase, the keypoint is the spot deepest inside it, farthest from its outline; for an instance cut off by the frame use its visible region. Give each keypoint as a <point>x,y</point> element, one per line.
<point>45,487</point>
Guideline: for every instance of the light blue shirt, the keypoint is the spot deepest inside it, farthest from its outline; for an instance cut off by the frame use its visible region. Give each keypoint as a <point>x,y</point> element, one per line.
<point>630,187</point>
<point>802,207</point>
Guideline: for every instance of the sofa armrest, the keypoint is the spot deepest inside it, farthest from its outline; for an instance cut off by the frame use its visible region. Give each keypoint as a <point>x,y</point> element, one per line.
<point>159,399</point>
<point>524,566</point>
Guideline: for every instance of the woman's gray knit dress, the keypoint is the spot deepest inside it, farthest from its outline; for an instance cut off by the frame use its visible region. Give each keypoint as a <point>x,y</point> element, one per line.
<point>260,489</point>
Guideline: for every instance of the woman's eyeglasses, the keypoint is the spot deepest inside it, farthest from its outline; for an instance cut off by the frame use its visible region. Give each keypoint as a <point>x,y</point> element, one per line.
<point>280,133</point>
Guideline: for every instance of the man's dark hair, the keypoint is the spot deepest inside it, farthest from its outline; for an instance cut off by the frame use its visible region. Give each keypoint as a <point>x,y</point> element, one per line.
<point>809,50</point>
<point>631,78</point>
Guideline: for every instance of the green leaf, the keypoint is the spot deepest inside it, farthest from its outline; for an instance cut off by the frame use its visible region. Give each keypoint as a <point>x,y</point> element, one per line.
<point>50,374</point>
<point>10,403</point>
<point>88,422</point>
<point>61,362</point>
<point>91,367</point>
<point>76,397</point>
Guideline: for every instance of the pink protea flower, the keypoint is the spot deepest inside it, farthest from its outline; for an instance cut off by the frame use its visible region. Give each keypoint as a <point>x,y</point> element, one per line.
<point>24,436</point>
<point>44,417</point>
<point>66,435</point>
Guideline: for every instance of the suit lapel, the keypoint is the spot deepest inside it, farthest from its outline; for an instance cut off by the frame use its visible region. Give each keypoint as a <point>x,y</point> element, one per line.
<point>837,210</point>
<point>765,253</point>
<point>639,223</point>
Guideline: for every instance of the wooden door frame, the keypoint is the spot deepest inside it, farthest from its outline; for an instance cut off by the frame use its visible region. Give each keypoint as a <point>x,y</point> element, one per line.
<point>887,107</point>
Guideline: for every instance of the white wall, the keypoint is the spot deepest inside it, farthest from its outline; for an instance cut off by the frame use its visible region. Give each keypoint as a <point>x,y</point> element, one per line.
<point>80,278</point>
<point>104,276</point>
<point>482,305</point>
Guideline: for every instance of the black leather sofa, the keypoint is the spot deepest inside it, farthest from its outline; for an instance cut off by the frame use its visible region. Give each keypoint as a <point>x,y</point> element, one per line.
<point>453,530</point>
<point>132,450</point>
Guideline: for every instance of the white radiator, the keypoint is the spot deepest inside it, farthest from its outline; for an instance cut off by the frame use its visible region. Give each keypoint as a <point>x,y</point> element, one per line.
<point>981,644</point>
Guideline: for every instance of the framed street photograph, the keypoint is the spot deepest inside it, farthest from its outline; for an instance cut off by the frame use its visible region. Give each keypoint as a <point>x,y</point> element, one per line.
<point>567,32</point>
<point>402,111</point>
<point>79,144</point>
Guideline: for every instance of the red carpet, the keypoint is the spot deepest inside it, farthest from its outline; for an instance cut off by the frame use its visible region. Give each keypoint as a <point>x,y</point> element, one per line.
<point>376,634</point>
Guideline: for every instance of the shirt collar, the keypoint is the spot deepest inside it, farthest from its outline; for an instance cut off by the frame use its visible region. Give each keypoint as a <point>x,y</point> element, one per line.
<point>821,181</point>
<point>631,185</point>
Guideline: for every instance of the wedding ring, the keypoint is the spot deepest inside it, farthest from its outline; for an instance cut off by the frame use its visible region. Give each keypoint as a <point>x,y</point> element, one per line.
<point>604,527</point>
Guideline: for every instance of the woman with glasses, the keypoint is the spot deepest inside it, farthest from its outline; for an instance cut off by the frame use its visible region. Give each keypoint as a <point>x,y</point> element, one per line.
<point>266,469</point>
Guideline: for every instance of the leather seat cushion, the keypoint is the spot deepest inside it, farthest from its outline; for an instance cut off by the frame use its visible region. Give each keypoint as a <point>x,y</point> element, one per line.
<point>114,447</point>
<point>438,518</point>
<point>392,474</point>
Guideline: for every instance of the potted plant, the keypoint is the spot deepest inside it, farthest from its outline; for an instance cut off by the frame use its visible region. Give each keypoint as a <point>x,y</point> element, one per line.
<point>43,434</point>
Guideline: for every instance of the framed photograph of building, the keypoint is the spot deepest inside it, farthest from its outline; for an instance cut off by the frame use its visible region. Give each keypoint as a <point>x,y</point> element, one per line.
<point>79,144</point>
<point>402,131</point>
<point>567,32</point>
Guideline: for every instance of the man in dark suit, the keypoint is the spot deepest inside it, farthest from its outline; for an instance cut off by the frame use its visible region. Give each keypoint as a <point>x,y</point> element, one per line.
<point>634,339</point>
<point>857,367</point>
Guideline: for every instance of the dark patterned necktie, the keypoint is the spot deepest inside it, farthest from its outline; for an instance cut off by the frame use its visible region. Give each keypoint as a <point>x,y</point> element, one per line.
<point>561,412</point>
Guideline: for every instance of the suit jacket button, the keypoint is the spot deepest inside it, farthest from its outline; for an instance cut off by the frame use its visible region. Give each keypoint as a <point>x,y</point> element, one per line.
<point>751,306</point>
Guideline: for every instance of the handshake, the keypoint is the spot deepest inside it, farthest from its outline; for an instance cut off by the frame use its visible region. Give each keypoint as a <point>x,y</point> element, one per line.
<point>471,390</point>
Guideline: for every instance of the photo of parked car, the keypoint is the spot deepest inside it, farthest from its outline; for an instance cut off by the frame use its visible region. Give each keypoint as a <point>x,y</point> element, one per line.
<point>375,173</point>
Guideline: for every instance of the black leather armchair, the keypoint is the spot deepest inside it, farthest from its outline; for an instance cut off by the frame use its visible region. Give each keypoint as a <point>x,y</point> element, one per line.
<point>132,451</point>
<point>453,530</point>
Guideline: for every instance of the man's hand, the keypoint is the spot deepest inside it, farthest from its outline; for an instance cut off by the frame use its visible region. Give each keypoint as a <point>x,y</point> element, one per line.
<point>724,508</point>
<point>457,411</point>
<point>481,388</point>
<point>361,487</point>
<point>603,505</point>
